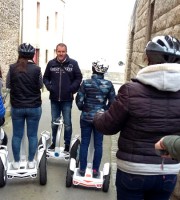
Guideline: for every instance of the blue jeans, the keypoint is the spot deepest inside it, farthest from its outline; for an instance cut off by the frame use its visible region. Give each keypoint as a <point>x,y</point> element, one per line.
<point>86,131</point>
<point>65,108</point>
<point>19,116</point>
<point>144,187</point>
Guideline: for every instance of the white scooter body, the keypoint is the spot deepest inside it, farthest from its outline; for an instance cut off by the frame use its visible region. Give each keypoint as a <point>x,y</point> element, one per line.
<point>23,171</point>
<point>73,176</point>
<point>58,152</point>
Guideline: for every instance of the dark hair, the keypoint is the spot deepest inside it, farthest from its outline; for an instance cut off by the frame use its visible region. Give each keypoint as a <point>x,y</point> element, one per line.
<point>21,64</point>
<point>61,45</point>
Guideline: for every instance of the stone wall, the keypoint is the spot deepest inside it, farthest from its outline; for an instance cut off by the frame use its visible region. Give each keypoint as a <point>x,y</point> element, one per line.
<point>150,18</point>
<point>9,34</point>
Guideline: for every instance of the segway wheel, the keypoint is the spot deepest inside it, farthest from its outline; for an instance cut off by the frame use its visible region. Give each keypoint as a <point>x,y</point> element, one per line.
<point>43,169</point>
<point>106,181</point>
<point>74,152</point>
<point>68,178</point>
<point>3,175</point>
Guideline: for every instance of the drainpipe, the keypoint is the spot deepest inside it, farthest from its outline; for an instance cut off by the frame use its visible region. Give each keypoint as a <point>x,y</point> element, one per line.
<point>63,22</point>
<point>21,21</point>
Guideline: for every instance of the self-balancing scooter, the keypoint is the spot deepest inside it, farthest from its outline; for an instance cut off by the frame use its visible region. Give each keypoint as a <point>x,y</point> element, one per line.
<point>74,178</point>
<point>6,168</point>
<point>58,152</point>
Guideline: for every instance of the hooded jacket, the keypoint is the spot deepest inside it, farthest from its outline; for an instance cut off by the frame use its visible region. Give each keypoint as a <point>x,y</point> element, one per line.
<point>144,111</point>
<point>62,79</point>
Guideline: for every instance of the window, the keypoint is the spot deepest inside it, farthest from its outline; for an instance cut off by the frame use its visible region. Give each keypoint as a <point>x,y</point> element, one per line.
<point>36,56</point>
<point>46,56</point>
<point>47,23</point>
<point>150,19</point>
<point>55,53</point>
<point>38,15</point>
<point>56,20</point>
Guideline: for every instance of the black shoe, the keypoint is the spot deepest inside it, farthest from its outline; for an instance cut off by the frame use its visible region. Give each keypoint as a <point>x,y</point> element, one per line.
<point>66,148</point>
<point>52,147</point>
<point>95,173</point>
<point>81,172</point>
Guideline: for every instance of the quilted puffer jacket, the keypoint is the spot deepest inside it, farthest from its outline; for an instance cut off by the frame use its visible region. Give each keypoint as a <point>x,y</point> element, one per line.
<point>144,111</point>
<point>94,94</point>
<point>62,80</point>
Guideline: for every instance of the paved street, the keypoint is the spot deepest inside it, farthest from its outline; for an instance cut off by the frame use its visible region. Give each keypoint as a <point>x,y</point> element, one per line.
<point>25,189</point>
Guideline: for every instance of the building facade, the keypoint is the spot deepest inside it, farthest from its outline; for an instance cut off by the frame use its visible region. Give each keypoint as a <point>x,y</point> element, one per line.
<point>42,25</point>
<point>150,18</point>
<point>9,33</point>
<point>38,22</point>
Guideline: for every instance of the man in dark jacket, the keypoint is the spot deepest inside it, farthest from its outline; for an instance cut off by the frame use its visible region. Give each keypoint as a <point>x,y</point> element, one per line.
<point>62,79</point>
<point>146,110</point>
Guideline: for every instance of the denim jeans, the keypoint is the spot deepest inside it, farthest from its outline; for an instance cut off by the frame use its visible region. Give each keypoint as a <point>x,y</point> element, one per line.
<point>65,108</point>
<point>86,130</point>
<point>19,116</point>
<point>144,187</point>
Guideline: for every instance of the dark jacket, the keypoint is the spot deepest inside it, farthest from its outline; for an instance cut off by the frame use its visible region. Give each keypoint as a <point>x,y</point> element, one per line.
<point>62,79</point>
<point>144,114</point>
<point>94,94</point>
<point>25,86</point>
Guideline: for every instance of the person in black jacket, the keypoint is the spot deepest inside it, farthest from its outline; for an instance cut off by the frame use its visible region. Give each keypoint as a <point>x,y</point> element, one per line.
<point>145,110</point>
<point>62,79</point>
<point>24,79</point>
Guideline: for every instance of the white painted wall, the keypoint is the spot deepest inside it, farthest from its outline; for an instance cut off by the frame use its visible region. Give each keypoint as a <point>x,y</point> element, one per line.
<point>41,38</point>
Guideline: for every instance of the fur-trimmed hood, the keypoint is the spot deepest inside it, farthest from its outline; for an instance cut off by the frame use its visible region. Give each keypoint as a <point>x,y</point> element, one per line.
<point>164,77</point>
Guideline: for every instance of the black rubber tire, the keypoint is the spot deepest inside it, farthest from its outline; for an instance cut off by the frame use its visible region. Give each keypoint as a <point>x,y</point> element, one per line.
<point>43,167</point>
<point>4,140</point>
<point>74,152</point>
<point>43,170</point>
<point>68,177</point>
<point>106,181</point>
<point>3,174</point>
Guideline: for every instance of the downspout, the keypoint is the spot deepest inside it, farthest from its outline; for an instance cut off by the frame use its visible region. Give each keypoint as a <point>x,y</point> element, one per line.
<point>63,22</point>
<point>21,21</point>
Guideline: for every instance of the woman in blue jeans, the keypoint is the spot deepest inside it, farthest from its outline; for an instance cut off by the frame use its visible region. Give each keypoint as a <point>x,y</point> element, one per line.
<point>24,79</point>
<point>94,94</point>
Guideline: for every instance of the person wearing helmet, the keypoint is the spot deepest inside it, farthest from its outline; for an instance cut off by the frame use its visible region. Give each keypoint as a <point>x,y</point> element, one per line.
<point>145,110</point>
<point>24,79</point>
<point>94,94</point>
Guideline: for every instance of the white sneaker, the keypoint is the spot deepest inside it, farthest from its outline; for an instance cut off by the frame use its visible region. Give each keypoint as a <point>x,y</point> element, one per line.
<point>31,164</point>
<point>15,165</point>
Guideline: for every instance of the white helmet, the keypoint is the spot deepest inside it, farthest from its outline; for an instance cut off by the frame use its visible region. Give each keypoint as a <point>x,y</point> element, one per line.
<point>100,66</point>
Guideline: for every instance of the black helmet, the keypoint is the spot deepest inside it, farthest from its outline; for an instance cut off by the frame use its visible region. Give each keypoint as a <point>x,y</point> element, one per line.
<point>163,49</point>
<point>26,51</point>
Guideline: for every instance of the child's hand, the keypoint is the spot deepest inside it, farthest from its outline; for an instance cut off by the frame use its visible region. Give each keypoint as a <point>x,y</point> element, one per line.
<point>160,149</point>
